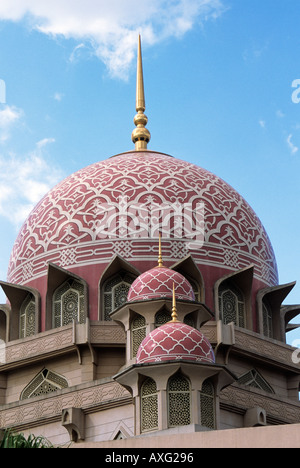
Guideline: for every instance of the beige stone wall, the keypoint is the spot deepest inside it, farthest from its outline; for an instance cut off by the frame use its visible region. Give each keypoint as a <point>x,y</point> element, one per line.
<point>68,366</point>
<point>109,361</point>
<point>256,437</point>
<point>99,426</point>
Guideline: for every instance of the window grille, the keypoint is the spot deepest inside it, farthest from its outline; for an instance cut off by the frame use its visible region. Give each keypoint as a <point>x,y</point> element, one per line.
<point>254,379</point>
<point>207,405</point>
<point>138,333</point>
<point>179,401</point>
<point>27,317</point>
<point>149,406</point>
<point>161,318</point>
<point>196,289</point>
<point>44,383</point>
<point>232,305</point>
<point>267,321</point>
<point>69,303</point>
<point>115,292</point>
<point>189,320</point>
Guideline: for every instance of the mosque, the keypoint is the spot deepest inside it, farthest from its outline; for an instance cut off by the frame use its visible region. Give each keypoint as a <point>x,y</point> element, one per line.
<point>143,301</point>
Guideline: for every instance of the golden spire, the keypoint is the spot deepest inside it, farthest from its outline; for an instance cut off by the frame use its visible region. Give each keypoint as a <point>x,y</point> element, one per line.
<point>160,260</point>
<point>174,308</point>
<point>140,135</point>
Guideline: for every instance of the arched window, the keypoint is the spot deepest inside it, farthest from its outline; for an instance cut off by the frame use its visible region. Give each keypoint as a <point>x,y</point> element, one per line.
<point>115,292</point>
<point>254,379</point>
<point>27,317</point>
<point>207,405</point>
<point>138,333</point>
<point>69,303</point>
<point>45,382</point>
<point>149,406</point>
<point>267,320</point>
<point>179,401</point>
<point>196,289</point>
<point>232,305</point>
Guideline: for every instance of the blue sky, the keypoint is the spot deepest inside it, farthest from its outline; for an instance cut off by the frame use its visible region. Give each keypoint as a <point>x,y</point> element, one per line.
<point>218,81</point>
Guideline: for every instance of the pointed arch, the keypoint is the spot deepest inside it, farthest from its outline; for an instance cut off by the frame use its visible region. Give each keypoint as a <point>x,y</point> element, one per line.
<point>68,303</point>
<point>233,298</point>
<point>138,332</point>
<point>21,297</point>
<point>179,400</point>
<point>45,382</point>
<point>67,297</point>
<point>272,317</point>
<point>207,405</point>
<point>114,286</point>
<point>253,378</point>
<point>149,405</point>
<point>4,322</point>
<point>232,305</point>
<point>27,325</point>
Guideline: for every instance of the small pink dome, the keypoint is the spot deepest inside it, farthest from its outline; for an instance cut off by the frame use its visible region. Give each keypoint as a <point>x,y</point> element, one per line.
<point>175,341</point>
<point>158,283</point>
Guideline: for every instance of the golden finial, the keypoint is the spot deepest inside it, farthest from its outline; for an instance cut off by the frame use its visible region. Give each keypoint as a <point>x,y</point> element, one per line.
<point>160,260</point>
<point>174,308</point>
<point>140,135</point>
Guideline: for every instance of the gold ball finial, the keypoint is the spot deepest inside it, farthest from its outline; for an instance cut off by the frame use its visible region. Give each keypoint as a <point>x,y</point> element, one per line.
<point>174,307</point>
<point>140,135</point>
<point>160,260</point>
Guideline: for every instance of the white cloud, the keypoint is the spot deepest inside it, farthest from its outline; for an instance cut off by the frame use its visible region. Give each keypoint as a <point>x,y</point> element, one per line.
<point>76,52</point>
<point>24,181</point>
<point>9,116</point>
<point>40,144</point>
<point>262,123</point>
<point>58,96</point>
<point>111,27</point>
<point>294,149</point>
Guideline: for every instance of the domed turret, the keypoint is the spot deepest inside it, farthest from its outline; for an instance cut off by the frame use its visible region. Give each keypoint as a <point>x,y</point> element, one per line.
<point>157,283</point>
<point>175,341</point>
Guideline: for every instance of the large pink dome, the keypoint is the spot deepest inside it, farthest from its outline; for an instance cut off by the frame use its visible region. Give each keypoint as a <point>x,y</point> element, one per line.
<point>175,341</point>
<point>103,210</point>
<point>157,283</point>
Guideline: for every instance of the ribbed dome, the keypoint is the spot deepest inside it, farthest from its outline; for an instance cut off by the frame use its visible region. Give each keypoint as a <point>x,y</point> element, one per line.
<point>158,283</point>
<point>175,341</point>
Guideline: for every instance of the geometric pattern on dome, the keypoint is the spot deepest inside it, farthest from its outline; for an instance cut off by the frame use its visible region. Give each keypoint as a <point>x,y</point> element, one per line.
<point>81,221</point>
<point>175,341</point>
<point>158,283</point>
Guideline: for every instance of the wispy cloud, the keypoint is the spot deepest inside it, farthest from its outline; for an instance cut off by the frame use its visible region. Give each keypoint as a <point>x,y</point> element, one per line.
<point>58,96</point>
<point>24,180</point>
<point>110,28</point>
<point>262,123</point>
<point>294,149</point>
<point>76,52</point>
<point>9,116</point>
